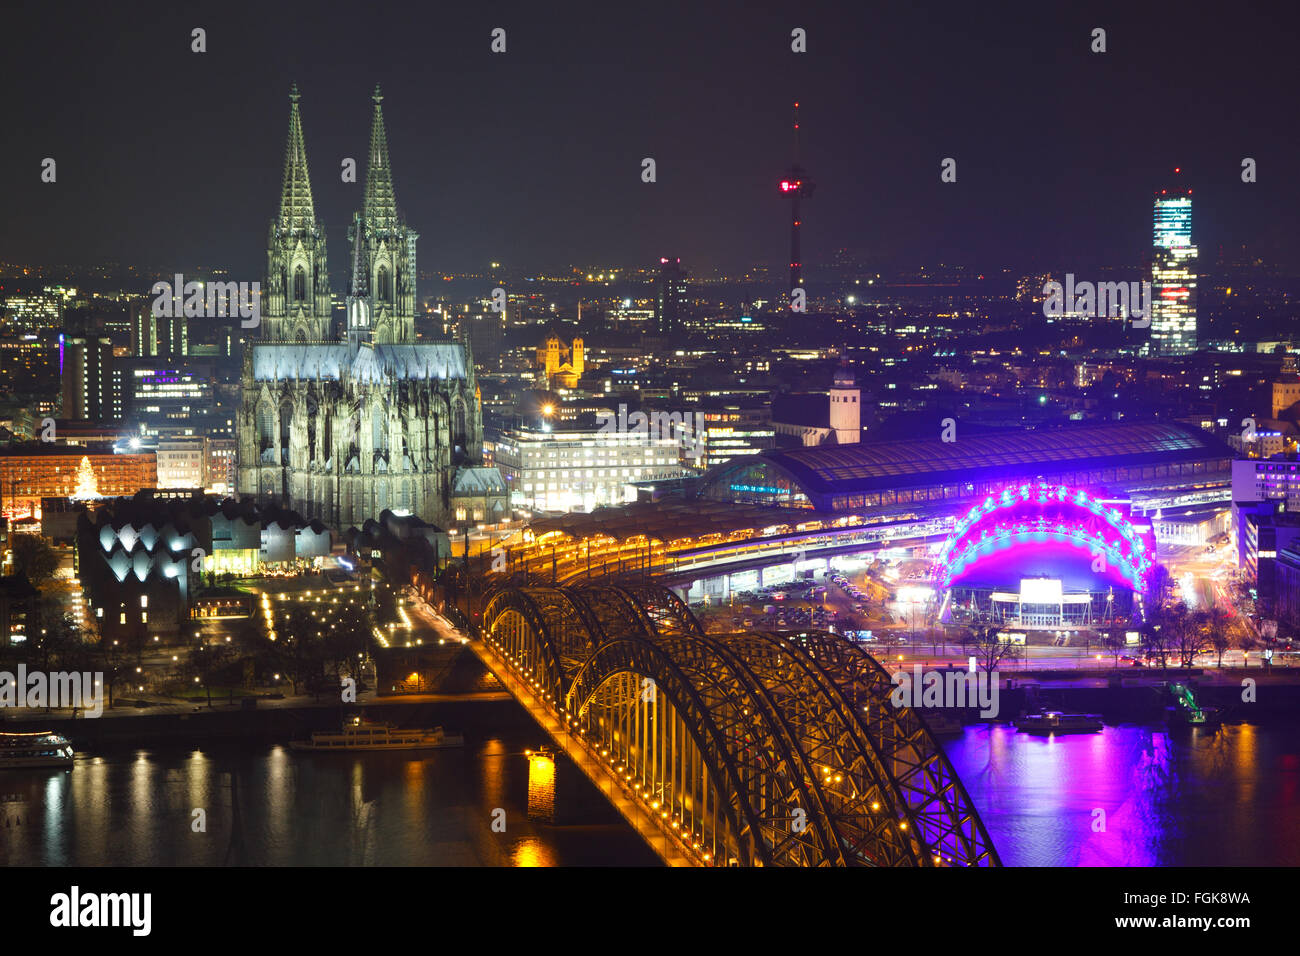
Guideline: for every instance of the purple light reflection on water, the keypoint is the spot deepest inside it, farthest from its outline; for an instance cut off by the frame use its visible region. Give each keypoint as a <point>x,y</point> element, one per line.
<point>1187,798</point>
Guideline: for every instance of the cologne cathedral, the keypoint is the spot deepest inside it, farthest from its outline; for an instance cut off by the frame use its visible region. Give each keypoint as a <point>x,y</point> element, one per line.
<point>341,424</point>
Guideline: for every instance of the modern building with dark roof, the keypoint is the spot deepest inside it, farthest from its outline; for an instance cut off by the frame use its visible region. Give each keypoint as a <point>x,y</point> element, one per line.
<point>1154,464</point>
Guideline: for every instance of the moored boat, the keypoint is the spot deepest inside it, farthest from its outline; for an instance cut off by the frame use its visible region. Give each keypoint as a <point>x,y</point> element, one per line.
<point>1055,722</point>
<point>357,734</point>
<point>40,749</point>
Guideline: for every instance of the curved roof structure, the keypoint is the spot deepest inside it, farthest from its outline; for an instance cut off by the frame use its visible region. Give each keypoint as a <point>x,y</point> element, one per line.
<point>822,472</point>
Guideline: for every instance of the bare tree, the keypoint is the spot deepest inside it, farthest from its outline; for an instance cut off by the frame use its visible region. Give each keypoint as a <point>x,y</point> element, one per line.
<point>982,643</point>
<point>1114,643</point>
<point>1184,633</point>
<point>1217,628</point>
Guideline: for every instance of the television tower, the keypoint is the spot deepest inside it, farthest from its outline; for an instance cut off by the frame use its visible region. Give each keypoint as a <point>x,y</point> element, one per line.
<point>796,186</point>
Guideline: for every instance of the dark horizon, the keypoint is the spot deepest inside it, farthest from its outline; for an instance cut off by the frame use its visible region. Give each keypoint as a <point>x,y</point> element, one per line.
<point>532,158</point>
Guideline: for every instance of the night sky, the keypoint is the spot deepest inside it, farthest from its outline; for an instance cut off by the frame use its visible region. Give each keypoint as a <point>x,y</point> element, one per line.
<point>532,158</point>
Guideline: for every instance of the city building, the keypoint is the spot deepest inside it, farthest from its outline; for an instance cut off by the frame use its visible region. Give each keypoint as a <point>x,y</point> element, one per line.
<point>221,468</point>
<point>1173,276</point>
<point>158,336</point>
<point>160,395</point>
<point>29,313</point>
<point>1277,482</point>
<point>39,470</point>
<point>832,418</point>
<point>344,430</point>
<point>1286,391</point>
<point>581,470</point>
<point>479,497</point>
<point>91,389</point>
<point>561,365</point>
<point>1287,587</point>
<point>672,298</point>
<point>728,431</point>
<point>18,608</point>
<point>182,463</point>
<point>1026,558</point>
<point>1262,531</point>
<point>141,560</point>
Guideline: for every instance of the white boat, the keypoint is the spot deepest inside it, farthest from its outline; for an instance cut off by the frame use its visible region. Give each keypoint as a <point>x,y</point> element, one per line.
<point>40,749</point>
<point>1055,722</point>
<point>357,734</point>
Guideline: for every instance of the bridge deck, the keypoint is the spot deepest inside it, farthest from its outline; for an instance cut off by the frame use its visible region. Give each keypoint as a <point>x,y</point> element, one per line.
<point>642,820</point>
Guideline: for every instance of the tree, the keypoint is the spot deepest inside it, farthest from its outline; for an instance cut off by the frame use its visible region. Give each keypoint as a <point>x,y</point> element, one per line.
<point>207,664</point>
<point>1179,632</point>
<point>34,557</point>
<point>982,643</point>
<point>347,640</point>
<point>1160,586</point>
<point>1217,627</point>
<point>1114,643</point>
<point>57,644</point>
<point>111,658</point>
<point>1155,639</point>
<point>1247,642</point>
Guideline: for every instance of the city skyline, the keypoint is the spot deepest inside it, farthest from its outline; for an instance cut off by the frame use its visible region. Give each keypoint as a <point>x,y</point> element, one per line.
<point>499,176</point>
<point>807,437</point>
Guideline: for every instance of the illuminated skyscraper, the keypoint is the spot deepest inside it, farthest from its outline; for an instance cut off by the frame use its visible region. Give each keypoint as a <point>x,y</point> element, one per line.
<point>1173,276</point>
<point>672,297</point>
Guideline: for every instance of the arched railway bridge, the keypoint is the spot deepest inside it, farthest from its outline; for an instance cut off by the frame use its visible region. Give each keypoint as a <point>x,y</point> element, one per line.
<point>749,749</point>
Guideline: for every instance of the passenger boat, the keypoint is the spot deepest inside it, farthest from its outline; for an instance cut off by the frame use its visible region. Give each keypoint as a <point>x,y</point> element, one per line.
<point>1055,722</point>
<point>357,734</point>
<point>40,749</point>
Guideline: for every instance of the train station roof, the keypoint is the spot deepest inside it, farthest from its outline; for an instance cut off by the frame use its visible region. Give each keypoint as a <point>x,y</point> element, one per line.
<point>828,470</point>
<point>670,519</point>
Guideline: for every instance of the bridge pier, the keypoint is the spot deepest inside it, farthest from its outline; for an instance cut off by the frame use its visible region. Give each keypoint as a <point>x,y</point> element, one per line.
<point>572,747</point>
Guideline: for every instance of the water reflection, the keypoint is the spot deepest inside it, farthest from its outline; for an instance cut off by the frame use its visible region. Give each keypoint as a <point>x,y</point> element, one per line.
<point>272,807</point>
<point>1136,796</point>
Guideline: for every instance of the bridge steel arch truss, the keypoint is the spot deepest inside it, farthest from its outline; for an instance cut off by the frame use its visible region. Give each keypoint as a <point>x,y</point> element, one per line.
<point>753,748</point>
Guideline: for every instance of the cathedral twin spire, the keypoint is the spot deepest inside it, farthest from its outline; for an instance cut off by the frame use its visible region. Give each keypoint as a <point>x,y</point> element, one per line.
<point>296,208</point>
<point>383,259</point>
<point>297,213</point>
<point>381,202</point>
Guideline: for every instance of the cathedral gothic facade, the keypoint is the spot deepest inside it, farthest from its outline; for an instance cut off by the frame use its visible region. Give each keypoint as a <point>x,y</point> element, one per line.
<point>343,424</point>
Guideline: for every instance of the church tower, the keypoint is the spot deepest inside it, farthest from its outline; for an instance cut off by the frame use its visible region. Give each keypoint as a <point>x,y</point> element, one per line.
<point>383,252</point>
<point>845,408</point>
<point>296,298</point>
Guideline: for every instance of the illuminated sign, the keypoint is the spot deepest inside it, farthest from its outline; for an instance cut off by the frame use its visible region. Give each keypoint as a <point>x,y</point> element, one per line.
<point>759,489</point>
<point>1040,591</point>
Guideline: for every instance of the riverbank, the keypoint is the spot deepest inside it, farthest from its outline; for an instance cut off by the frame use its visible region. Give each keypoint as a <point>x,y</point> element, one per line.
<point>286,721</point>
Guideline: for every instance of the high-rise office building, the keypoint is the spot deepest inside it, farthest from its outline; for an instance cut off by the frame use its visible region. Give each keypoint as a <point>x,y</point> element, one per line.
<point>158,336</point>
<point>1173,276</point>
<point>671,297</point>
<point>91,392</point>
